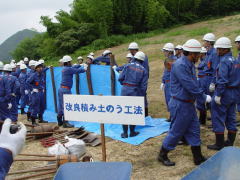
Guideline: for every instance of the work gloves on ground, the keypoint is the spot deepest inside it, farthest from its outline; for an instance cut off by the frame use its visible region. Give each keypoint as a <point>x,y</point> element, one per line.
<point>26,92</point>
<point>217,100</point>
<point>162,86</point>
<point>208,99</point>
<point>212,87</point>
<point>12,142</point>
<point>9,106</point>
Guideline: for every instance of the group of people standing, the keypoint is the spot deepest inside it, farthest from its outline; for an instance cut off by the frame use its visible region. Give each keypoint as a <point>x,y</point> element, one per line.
<point>22,84</point>
<point>215,87</point>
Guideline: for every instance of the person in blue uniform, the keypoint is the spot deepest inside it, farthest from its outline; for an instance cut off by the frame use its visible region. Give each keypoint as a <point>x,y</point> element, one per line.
<point>202,84</point>
<point>226,95</point>
<point>31,70</point>
<point>134,81</point>
<point>184,92</point>
<point>105,58</point>
<point>133,49</point>
<point>129,57</point>
<point>66,85</point>
<point>237,42</point>
<point>10,146</point>
<point>168,51</point>
<point>14,86</point>
<point>23,87</point>
<point>36,83</point>
<point>178,51</point>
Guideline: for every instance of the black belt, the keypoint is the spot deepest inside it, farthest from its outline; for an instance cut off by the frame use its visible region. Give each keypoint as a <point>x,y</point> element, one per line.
<point>131,85</point>
<point>184,100</point>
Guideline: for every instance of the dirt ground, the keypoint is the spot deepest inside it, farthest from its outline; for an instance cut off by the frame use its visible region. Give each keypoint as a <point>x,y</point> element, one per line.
<point>143,157</point>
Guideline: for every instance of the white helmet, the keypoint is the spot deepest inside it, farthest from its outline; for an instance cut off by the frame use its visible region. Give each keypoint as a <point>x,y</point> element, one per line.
<point>37,64</point>
<point>80,58</point>
<point>129,55</point>
<point>106,52</point>
<point>12,61</point>
<point>92,54</point>
<point>1,65</point>
<point>90,57</point>
<point>178,47</point>
<point>66,59</point>
<point>60,60</point>
<point>237,39</point>
<point>192,45</point>
<point>19,64</point>
<point>203,50</point>
<point>25,59</point>
<point>140,56</point>
<point>209,37</point>
<point>168,47</point>
<point>22,62</point>
<point>133,46</point>
<point>7,67</point>
<point>41,61</point>
<point>23,66</point>
<point>223,42</point>
<point>32,63</point>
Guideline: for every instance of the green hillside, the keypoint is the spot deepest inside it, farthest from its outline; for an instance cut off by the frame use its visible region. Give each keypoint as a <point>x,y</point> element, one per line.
<point>12,42</point>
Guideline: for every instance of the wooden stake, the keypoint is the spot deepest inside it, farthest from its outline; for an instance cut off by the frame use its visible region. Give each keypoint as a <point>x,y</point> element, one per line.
<point>33,170</point>
<point>36,159</point>
<point>104,153</point>
<point>38,155</point>
<point>54,88</point>
<point>35,175</point>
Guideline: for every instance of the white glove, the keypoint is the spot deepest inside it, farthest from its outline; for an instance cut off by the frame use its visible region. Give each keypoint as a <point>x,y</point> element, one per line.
<point>208,99</point>
<point>13,94</point>
<point>85,66</point>
<point>212,87</point>
<point>114,67</point>
<point>9,105</point>
<point>162,86</point>
<point>26,92</point>
<point>12,142</point>
<point>35,90</point>
<point>217,99</point>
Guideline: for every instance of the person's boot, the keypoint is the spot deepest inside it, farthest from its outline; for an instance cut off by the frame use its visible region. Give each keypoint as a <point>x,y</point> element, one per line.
<point>146,112</point>
<point>22,111</point>
<point>66,124</point>
<point>231,138</point>
<point>28,116</point>
<point>125,131</point>
<point>219,142</point>
<point>198,158</point>
<point>202,117</point>
<point>34,121</point>
<point>163,157</point>
<point>40,119</point>
<point>132,131</point>
<point>60,121</point>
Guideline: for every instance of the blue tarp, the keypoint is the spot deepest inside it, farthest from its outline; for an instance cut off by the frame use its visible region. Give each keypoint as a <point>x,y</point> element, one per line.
<point>94,171</point>
<point>101,81</point>
<point>224,165</point>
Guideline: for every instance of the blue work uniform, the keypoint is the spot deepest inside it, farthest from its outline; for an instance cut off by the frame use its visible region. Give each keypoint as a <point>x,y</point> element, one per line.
<point>212,61</point>
<point>238,105</point>
<point>5,163</point>
<point>36,83</point>
<point>66,84</point>
<point>18,93</point>
<point>4,98</point>
<point>102,59</point>
<point>23,87</point>
<point>184,92</point>
<point>228,88</point>
<point>29,88</point>
<point>202,81</point>
<point>14,85</point>
<point>166,82</point>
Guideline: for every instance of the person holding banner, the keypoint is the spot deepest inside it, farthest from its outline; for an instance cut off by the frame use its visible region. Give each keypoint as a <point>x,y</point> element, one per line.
<point>134,80</point>
<point>66,85</point>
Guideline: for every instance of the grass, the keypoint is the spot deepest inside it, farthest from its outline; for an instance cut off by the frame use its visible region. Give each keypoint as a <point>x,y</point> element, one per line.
<point>143,157</point>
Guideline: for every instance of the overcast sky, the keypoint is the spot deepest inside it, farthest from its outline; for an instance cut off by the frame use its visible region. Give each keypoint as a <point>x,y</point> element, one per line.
<point>16,15</point>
